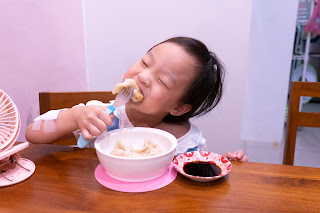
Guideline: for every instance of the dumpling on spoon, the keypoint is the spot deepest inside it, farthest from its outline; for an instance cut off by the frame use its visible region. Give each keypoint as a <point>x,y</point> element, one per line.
<point>137,96</point>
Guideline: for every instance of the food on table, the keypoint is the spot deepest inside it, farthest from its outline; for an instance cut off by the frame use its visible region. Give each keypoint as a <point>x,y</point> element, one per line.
<point>137,96</point>
<point>148,149</point>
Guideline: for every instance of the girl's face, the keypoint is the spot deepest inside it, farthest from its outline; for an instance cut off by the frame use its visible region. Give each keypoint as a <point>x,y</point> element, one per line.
<point>163,75</point>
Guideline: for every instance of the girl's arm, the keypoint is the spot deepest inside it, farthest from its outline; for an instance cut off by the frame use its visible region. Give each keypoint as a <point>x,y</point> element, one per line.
<point>91,120</point>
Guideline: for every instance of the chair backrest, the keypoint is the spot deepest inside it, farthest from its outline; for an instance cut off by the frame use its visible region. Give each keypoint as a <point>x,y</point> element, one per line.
<point>297,118</point>
<point>59,100</point>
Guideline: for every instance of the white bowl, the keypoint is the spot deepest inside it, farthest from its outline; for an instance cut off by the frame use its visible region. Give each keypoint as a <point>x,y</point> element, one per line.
<point>135,169</point>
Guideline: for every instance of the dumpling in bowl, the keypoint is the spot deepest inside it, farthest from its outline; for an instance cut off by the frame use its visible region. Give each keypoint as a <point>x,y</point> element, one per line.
<point>148,149</point>
<point>137,96</point>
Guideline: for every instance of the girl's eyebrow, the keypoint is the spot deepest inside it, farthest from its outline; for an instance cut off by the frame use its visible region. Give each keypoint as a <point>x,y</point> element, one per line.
<point>151,55</point>
<point>171,76</point>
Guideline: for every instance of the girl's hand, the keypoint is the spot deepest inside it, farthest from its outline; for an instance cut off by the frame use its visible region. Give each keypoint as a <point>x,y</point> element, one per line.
<point>238,155</point>
<point>92,120</point>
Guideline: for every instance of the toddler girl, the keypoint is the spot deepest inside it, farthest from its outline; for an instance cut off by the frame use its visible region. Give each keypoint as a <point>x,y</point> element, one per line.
<point>179,79</point>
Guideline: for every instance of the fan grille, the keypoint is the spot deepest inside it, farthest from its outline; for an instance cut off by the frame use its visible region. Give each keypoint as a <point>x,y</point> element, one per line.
<point>9,121</point>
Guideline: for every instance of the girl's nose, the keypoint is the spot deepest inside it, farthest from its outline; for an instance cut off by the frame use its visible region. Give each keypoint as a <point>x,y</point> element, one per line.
<point>145,78</point>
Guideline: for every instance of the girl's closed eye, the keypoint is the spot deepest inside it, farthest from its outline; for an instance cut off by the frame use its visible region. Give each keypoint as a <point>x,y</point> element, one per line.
<point>162,82</point>
<point>144,63</point>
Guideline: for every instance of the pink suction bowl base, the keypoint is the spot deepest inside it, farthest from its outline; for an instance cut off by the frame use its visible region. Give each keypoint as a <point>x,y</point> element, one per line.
<point>104,179</point>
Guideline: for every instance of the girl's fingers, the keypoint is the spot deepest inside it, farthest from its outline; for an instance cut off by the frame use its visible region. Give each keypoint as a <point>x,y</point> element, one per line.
<point>99,125</point>
<point>245,158</point>
<point>230,155</point>
<point>96,127</point>
<point>238,155</point>
<point>112,117</point>
<point>107,119</point>
<point>86,134</point>
<point>241,156</point>
<point>94,122</point>
<point>94,130</point>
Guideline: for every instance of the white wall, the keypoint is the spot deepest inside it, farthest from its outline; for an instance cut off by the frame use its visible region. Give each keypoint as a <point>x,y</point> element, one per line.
<point>118,33</point>
<point>270,52</point>
<point>41,49</point>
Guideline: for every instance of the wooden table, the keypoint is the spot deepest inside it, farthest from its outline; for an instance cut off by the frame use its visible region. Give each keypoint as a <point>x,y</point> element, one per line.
<point>64,182</point>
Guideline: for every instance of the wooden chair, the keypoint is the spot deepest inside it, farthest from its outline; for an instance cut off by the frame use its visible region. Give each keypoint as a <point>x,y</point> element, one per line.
<point>59,100</point>
<point>297,118</point>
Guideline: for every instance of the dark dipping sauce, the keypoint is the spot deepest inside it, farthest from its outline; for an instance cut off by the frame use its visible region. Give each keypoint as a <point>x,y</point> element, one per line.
<point>202,169</point>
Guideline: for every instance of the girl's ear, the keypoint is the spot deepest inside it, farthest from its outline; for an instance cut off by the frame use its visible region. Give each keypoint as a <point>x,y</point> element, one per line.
<point>181,109</point>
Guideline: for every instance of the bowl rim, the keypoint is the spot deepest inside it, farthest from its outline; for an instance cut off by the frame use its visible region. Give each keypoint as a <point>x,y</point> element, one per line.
<point>171,137</point>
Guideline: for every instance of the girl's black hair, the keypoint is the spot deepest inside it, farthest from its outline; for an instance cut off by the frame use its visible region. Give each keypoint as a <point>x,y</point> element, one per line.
<point>206,90</point>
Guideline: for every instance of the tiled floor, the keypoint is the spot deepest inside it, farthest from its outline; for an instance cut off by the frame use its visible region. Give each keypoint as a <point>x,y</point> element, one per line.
<point>307,146</point>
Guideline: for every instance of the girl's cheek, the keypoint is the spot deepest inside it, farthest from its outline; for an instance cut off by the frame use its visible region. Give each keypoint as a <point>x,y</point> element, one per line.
<point>158,95</point>
<point>127,75</point>
<point>130,74</point>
